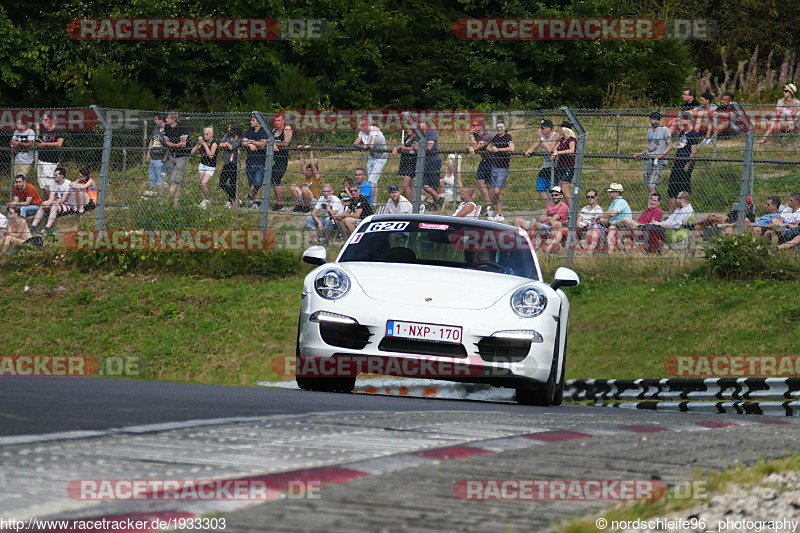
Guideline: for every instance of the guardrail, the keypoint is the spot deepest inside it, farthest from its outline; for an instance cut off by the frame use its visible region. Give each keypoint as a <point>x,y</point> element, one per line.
<point>767,396</point>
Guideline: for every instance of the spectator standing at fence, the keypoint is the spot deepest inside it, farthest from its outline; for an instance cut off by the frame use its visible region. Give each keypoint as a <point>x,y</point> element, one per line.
<point>397,204</point>
<point>501,147</point>
<point>659,144</point>
<point>255,142</point>
<point>433,162</point>
<point>617,211</point>
<point>228,177</point>
<point>689,100</point>
<point>157,155</point>
<point>58,202</point>
<point>26,197</point>
<point>478,143</point>
<point>84,192</point>
<point>16,230</point>
<point>371,138</point>
<point>280,162</point>
<point>785,112</point>
<point>706,111</point>
<point>547,140</point>
<point>564,156</point>
<point>451,177</point>
<point>176,138</point>
<point>50,140</point>
<point>22,148</point>
<point>408,160</point>
<point>207,146</point>
<point>680,179</point>
<point>321,216</point>
<point>304,197</point>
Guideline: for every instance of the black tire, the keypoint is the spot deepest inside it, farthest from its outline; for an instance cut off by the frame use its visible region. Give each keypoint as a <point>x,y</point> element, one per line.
<point>304,382</point>
<point>558,397</point>
<point>544,394</point>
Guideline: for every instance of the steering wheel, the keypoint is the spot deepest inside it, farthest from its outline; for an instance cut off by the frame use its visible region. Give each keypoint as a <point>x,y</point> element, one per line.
<point>491,266</point>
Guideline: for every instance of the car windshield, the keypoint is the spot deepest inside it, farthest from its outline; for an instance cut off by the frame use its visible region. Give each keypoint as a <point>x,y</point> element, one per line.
<point>450,244</point>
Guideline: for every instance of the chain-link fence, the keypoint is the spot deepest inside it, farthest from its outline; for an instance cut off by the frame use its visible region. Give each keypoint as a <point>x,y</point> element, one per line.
<point>294,172</point>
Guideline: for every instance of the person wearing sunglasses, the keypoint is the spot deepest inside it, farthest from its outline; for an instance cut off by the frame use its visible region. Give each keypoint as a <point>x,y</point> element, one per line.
<point>357,209</point>
<point>785,111</point>
<point>553,217</point>
<point>584,221</point>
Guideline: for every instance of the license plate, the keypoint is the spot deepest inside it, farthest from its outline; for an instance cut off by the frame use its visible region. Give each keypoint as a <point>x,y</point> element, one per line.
<point>422,331</point>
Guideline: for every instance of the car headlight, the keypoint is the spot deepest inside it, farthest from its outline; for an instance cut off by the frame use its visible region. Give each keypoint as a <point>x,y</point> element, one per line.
<point>332,284</point>
<point>528,302</point>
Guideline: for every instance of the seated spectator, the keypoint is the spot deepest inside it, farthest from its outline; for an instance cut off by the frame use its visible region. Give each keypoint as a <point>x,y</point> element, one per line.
<point>731,118</point>
<point>467,208</point>
<point>713,223</point>
<point>349,217</point>
<point>84,191</point>
<point>682,215</point>
<point>58,202</point>
<point>16,230</point>
<point>785,111</point>
<point>618,210</point>
<point>26,197</point>
<point>584,221</point>
<point>304,197</point>
<point>765,221</point>
<point>397,204</point>
<point>652,213</point>
<point>321,216</point>
<point>787,227</point>
<point>553,217</point>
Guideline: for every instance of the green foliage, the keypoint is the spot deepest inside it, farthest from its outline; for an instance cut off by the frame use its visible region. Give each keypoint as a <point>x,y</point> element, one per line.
<point>742,257</point>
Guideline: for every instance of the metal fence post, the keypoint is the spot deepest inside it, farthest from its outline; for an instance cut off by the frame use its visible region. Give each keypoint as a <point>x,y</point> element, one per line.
<point>265,191</point>
<point>576,185</point>
<point>747,171</point>
<point>104,167</point>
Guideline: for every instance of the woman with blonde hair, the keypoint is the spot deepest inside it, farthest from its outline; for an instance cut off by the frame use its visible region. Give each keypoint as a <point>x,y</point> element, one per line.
<point>450,177</point>
<point>785,111</point>
<point>208,162</point>
<point>564,155</point>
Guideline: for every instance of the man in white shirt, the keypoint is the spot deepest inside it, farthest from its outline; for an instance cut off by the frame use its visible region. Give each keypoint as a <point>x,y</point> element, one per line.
<point>677,219</point>
<point>787,227</point>
<point>320,217</point>
<point>371,138</point>
<point>467,208</point>
<point>397,204</point>
<point>59,201</point>
<point>22,146</point>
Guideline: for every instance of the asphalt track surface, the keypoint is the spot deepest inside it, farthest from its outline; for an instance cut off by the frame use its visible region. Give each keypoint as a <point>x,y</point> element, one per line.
<point>384,463</point>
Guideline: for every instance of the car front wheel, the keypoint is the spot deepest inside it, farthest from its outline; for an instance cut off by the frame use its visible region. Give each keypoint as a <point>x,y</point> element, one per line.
<point>545,394</point>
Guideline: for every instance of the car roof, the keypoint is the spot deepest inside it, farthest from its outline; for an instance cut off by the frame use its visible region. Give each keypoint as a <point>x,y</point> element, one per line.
<point>441,219</point>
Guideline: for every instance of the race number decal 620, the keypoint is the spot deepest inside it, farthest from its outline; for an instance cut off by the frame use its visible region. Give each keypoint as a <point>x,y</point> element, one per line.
<point>387,226</point>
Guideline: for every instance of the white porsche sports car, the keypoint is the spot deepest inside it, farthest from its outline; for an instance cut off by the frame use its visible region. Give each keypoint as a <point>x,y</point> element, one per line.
<point>434,297</point>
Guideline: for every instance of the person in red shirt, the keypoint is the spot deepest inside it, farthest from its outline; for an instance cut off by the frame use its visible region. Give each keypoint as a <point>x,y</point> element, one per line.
<point>626,226</point>
<point>553,218</point>
<point>26,197</point>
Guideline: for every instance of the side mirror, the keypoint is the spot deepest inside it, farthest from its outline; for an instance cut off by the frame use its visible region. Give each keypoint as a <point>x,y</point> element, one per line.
<point>565,277</point>
<point>316,255</point>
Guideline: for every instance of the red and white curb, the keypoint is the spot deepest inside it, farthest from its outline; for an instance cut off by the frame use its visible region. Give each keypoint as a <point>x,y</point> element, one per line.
<point>348,471</point>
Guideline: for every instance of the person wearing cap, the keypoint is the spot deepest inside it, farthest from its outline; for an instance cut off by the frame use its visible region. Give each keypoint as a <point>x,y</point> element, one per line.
<point>785,111</point>
<point>680,179</point>
<point>584,221</point>
<point>548,141</point>
<point>50,140</point>
<point>659,144</point>
<point>397,204</point>
<point>618,210</point>
<point>157,155</point>
<point>553,217</point>
<point>565,159</point>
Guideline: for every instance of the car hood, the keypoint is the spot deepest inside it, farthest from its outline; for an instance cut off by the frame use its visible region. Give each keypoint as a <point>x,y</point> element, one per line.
<point>431,285</point>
